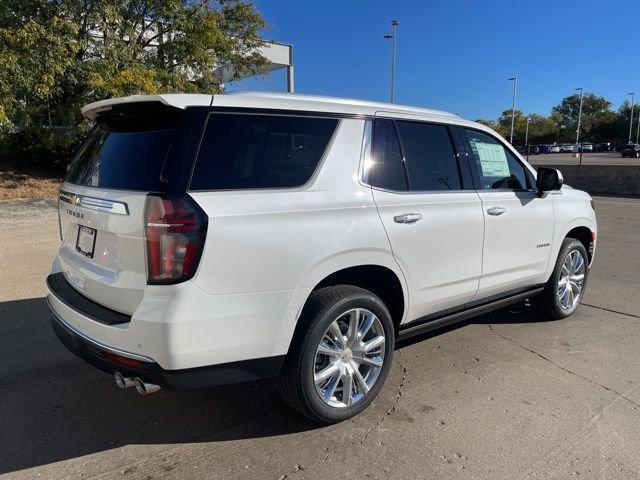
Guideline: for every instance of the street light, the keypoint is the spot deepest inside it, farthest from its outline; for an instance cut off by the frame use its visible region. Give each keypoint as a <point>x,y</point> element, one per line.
<point>579,117</point>
<point>633,96</point>
<point>393,36</point>
<point>513,106</point>
<point>526,138</point>
<point>638,129</point>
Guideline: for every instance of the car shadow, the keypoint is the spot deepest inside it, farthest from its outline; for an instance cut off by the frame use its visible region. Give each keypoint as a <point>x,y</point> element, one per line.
<point>54,406</point>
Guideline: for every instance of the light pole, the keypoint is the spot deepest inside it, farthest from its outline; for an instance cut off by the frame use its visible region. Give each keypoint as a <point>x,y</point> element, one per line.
<point>638,129</point>
<point>513,106</point>
<point>633,96</point>
<point>393,37</point>
<point>526,138</point>
<point>579,119</point>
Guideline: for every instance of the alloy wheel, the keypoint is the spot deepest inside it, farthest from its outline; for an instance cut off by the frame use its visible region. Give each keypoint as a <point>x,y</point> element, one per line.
<point>349,358</point>
<point>571,281</point>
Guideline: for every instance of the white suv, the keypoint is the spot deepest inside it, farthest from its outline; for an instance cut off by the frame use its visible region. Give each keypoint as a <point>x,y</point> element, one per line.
<point>208,240</point>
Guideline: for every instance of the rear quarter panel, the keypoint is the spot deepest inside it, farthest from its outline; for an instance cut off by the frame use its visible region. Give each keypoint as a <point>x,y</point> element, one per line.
<point>288,240</point>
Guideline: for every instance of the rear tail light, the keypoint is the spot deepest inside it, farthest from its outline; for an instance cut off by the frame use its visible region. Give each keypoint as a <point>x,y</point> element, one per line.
<point>175,231</point>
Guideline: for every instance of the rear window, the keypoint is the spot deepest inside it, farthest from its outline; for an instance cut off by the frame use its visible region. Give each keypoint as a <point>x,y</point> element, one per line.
<point>126,149</point>
<point>243,151</point>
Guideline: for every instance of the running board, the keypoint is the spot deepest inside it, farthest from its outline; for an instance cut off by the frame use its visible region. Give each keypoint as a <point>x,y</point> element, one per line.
<point>419,326</point>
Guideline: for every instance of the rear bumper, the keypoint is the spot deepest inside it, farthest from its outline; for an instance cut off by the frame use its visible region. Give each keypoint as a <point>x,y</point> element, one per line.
<point>106,359</point>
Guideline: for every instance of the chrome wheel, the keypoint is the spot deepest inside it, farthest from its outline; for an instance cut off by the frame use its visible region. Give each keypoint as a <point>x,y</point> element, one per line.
<point>571,280</point>
<point>349,358</point>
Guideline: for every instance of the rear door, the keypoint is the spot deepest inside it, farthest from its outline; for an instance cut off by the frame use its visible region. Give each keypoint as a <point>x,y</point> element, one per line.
<point>102,202</point>
<point>518,224</point>
<point>431,212</point>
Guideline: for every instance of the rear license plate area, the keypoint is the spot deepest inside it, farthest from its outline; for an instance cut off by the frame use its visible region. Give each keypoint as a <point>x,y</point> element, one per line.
<point>86,241</point>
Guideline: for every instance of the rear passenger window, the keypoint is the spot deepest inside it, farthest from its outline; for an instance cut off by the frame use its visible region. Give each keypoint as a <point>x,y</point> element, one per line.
<point>429,156</point>
<point>241,151</point>
<point>497,167</point>
<point>387,170</point>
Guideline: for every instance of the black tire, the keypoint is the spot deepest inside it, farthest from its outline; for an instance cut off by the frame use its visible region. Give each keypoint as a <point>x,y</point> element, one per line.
<point>548,303</point>
<point>296,380</point>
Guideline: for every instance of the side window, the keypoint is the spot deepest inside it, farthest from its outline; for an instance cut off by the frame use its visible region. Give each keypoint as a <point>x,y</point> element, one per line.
<point>497,167</point>
<point>241,151</point>
<point>429,156</point>
<point>387,170</point>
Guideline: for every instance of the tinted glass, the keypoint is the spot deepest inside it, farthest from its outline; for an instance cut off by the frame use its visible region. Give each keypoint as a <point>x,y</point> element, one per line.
<point>129,160</point>
<point>429,155</point>
<point>387,167</point>
<point>260,151</point>
<point>497,167</point>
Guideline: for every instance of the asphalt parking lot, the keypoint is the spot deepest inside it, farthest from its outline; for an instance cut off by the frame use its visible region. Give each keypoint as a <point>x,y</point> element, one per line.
<point>505,395</point>
<point>591,158</point>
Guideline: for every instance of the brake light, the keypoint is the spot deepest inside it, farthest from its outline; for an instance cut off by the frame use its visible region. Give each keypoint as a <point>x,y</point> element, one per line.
<point>175,230</point>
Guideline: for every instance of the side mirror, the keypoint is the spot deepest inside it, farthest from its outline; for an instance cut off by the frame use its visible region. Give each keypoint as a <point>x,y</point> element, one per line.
<point>548,179</point>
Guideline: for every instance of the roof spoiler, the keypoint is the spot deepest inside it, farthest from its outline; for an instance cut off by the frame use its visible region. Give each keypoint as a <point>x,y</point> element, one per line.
<point>93,110</point>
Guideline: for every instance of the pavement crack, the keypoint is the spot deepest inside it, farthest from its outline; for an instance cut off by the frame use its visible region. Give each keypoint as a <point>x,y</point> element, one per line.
<point>368,432</point>
<point>611,310</point>
<point>564,369</point>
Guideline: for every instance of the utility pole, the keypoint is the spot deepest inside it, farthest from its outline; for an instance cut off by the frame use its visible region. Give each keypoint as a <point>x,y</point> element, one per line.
<point>579,115</point>
<point>526,138</point>
<point>633,96</point>
<point>394,39</point>
<point>513,106</point>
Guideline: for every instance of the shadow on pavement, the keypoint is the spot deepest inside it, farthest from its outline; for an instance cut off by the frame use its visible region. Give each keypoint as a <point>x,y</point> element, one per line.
<point>54,406</point>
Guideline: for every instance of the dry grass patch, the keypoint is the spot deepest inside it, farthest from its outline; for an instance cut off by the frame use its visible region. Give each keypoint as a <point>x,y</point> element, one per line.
<point>16,185</point>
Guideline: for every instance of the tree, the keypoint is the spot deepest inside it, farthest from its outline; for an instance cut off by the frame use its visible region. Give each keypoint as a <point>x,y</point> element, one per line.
<point>56,56</point>
<point>595,110</point>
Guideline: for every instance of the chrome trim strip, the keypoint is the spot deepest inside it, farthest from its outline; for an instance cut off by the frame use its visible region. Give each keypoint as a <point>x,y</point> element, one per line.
<point>93,342</point>
<point>93,203</point>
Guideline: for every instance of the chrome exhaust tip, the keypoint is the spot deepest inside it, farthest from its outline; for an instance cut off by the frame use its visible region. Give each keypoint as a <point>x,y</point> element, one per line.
<point>145,388</point>
<point>122,381</point>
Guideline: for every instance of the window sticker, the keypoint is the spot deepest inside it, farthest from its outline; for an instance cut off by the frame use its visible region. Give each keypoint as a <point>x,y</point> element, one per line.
<point>493,159</point>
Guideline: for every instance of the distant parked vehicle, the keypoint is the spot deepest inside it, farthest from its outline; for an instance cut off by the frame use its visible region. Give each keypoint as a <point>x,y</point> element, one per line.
<point>587,147</point>
<point>630,150</point>
<point>604,147</point>
<point>566,148</point>
<point>542,149</point>
<point>554,149</point>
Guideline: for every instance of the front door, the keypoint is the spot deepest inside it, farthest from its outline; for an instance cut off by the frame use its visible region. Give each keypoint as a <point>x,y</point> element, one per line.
<point>431,213</point>
<point>518,224</point>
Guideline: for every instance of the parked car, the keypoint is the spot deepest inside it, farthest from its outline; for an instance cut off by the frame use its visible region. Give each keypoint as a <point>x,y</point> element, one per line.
<point>566,148</point>
<point>587,147</point>
<point>630,150</point>
<point>554,149</point>
<point>603,147</point>
<point>534,150</point>
<point>216,239</point>
<point>542,149</point>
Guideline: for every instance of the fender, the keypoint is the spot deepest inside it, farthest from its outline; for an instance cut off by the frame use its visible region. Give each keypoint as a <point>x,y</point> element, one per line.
<point>321,270</point>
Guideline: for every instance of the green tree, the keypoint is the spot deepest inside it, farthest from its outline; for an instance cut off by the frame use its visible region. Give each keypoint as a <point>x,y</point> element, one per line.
<point>595,110</point>
<point>56,55</point>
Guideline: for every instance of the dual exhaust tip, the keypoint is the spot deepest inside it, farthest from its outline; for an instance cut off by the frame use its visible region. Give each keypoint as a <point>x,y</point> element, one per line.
<point>142,387</point>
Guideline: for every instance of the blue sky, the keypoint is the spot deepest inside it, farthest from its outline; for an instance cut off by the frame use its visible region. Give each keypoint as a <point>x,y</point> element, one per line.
<point>457,55</point>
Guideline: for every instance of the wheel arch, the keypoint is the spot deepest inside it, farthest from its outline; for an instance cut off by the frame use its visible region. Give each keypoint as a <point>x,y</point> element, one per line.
<point>378,279</point>
<point>585,236</point>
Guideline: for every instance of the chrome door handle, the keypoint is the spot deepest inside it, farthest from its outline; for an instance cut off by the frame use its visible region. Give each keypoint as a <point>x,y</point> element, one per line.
<point>496,211</point>
<point>408,218</point>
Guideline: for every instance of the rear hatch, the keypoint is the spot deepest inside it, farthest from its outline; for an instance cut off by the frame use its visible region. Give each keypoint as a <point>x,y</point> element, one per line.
<point>103,201</point>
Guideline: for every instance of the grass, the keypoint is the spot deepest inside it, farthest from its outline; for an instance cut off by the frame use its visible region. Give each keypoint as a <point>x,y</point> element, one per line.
<point>18,183</point>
